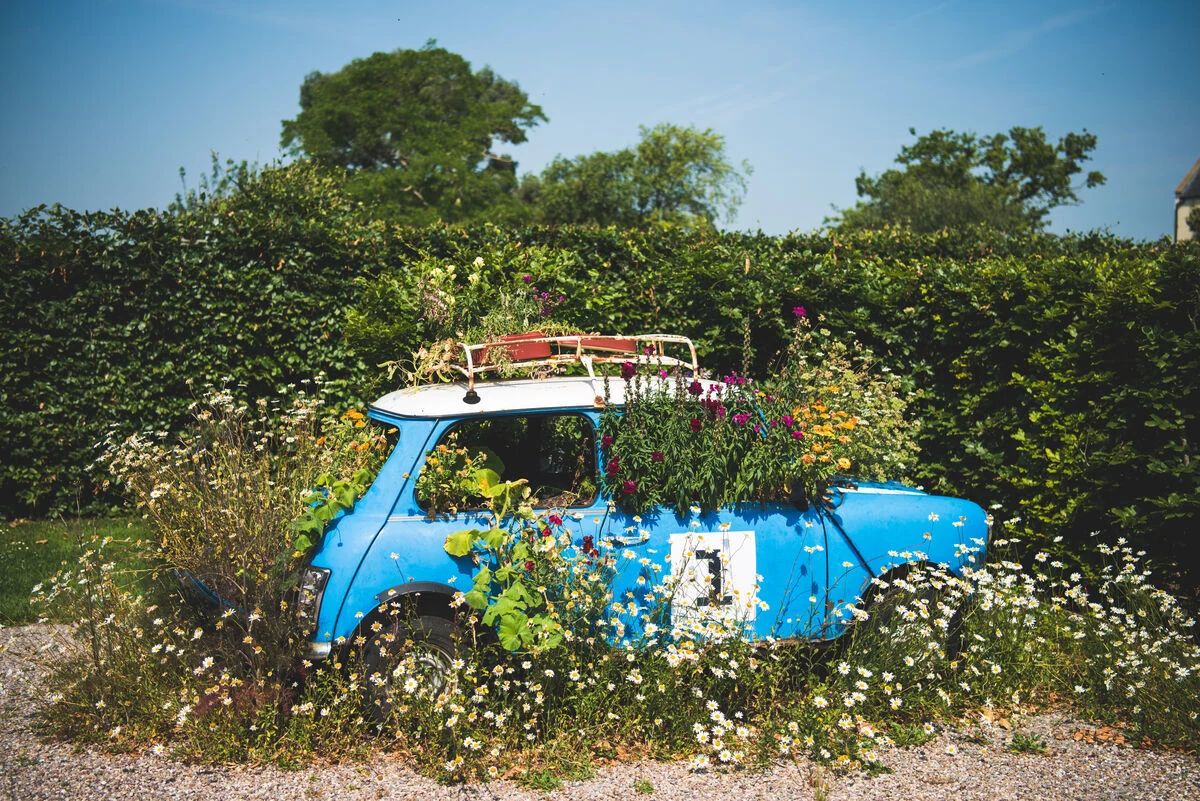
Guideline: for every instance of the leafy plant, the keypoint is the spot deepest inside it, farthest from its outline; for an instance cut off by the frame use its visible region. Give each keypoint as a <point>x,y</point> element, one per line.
<point>1022,743</point>
<point>826,412</point>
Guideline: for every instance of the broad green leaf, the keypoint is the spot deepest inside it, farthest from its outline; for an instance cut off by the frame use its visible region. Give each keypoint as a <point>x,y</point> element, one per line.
<point>459,543</point>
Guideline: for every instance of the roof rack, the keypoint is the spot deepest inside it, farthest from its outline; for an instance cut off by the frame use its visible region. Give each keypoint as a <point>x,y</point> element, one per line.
<point>535,349</point>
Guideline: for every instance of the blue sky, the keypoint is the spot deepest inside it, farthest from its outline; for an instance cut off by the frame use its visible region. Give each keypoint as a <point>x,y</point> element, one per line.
<point>104,100</point>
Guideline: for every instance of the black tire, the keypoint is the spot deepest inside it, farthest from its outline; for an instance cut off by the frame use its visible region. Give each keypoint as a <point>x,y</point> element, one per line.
<point>884,612</point>
<point>423,647</point>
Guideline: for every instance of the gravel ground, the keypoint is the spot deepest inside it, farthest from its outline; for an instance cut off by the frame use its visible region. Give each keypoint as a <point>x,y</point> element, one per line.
<point>1074,769</point>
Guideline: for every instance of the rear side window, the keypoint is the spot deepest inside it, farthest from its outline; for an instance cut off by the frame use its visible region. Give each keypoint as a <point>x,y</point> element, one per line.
<point>554,453</point>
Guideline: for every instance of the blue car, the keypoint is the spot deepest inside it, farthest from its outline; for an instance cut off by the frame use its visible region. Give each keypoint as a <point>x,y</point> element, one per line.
<point>782,570</point>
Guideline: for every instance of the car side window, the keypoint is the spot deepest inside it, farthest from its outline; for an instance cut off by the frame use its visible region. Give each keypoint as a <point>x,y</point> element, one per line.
<point>554,453</point>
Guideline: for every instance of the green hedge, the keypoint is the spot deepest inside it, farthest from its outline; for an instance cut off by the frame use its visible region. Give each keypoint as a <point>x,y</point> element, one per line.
<point>1059,375</point>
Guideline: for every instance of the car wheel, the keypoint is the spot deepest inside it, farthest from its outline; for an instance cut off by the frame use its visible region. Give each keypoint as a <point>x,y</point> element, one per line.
<point>893,608</point>
<point>411,656</point>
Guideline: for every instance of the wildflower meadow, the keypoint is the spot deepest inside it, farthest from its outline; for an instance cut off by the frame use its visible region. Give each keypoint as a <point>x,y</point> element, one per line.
<point>543,673</point>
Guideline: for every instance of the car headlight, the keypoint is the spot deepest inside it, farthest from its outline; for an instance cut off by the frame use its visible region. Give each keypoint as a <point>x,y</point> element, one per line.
<point>312,590</point>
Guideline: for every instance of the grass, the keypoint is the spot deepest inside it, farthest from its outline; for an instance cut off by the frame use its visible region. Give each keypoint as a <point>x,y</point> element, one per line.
<point>33,551</point>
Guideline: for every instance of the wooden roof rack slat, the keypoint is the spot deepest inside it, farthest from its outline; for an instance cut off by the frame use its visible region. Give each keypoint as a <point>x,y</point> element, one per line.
<point>535,349</point>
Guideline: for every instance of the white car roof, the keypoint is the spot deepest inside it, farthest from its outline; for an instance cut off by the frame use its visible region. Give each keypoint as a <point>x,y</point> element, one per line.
<point>527,394</point>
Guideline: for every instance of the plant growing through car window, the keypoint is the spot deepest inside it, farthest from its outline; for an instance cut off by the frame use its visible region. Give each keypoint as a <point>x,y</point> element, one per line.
<point>828,411</point>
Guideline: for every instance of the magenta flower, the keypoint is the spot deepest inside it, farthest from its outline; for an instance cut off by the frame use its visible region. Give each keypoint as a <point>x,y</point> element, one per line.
<point>799,311</point>
<point>740,418</point>
<point>797,435</point>
<point>628,370</point>
<point>527,278</point>
<point>787,420</point>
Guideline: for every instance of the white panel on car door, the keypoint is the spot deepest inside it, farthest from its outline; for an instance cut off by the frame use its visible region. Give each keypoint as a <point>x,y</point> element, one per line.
<point>714,577</point>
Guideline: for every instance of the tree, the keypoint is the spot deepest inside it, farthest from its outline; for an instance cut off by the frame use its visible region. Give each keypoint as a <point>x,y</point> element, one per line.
<point>417,130</point>
<point>1009,182</point>
<point>1193,222</point>
<point>673,175</point>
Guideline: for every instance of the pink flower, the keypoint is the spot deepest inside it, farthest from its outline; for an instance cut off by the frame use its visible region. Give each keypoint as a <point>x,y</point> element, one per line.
<point>797,435</point>
<point>799,311</point>
<point>628,370</point>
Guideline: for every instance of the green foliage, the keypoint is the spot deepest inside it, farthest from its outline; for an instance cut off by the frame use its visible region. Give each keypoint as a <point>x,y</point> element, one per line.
<point>1193,221</point>
<point>237,501</point>
<point>33,551</point>
<point>529,588</point>
<point>1058,376</point>
<point>1022,743</point>
<point>416,129</point>
<point>673,175</point>
<point>824,411</point>
<point>117,321</point>
<point>950,180</point>
<point>1118,649</point>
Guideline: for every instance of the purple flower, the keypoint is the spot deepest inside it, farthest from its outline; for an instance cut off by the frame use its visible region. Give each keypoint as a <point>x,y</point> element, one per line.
<point>656,456</point>
<point>695,388</point>
<point>629,487</point>
<point>799,311</point>
<point>628,371</point>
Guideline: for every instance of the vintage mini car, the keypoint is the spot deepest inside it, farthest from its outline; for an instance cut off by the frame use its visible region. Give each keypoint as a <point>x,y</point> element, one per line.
<point>783,570</point>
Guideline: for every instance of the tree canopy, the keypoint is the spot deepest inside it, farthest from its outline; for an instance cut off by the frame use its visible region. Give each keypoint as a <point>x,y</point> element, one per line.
<point>417,130</point>
<point>1009,182</point>
<point>673,175</point>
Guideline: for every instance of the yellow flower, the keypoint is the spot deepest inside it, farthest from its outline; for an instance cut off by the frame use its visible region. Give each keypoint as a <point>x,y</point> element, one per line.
<point>843,463</point>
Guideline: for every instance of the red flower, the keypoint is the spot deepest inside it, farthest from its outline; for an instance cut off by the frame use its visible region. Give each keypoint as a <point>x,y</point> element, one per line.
<point>628,370</point>
<point>656,456</point>
<point>695,424</point>
<point>546,532</point>
<point>529,566</point>
<point>612,468</point>
<point>606,440</point>
<point>629,487</point>
<point>555,520</point>
<point>695,388</point>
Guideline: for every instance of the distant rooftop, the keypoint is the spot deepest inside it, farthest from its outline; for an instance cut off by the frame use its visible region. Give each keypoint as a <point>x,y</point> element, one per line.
<point>1189,187</point>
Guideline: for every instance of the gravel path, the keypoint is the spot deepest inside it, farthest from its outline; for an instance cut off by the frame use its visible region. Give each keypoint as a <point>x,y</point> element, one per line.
<point>1075,768</point>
